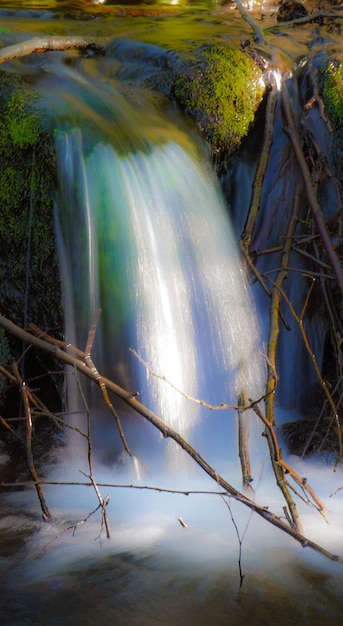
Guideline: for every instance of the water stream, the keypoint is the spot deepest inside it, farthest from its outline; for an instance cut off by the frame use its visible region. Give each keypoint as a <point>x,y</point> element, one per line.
<point>144,236</point>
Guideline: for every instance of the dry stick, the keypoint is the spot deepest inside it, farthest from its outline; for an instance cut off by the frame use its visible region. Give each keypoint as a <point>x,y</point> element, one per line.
<point>213,407</point>
<point>102,502</point>
<point>86,356</point>
<point>259,38</point>
<point>29,456</point>
<point>73,526</point>
<point>41,409</point>
<point>274,330</point>
<point>41,44</point>
<point>255,201</point>
<point>312,17</point>
<point>311,196</point>
<point>73,483</point>
<point>301,481</point>
<point>243,425</point>
<point>254,207</point>
<point>100,381</point>
<point>166,431</point>
<point>243,439</point>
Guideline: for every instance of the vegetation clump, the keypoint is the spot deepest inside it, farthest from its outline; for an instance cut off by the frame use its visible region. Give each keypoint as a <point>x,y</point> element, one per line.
<point>28,263</point>
<point>332,89</point>
<point>223,94</point>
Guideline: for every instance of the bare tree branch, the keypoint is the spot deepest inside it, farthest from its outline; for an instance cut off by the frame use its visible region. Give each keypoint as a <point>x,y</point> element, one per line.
<point>42,44</point>
<point>167,432</point>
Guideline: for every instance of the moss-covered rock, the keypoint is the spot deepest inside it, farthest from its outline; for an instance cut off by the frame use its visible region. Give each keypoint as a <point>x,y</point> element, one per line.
<point>29,285</point>
<point>331,74</point>
<point>29,275</point>
<point>222,91</point>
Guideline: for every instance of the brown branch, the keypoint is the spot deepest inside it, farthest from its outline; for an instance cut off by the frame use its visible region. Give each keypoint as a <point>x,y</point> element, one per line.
<point>42,44</point>
<point>213,407</point>
<point>29,455</point>
<point>271,353</point>
<point>258,35</point>
<point>243,448</point>
<point>166,431</point>
<point>101,382</point>
<point>103,502</point>
<point>312,17</point>
<point>278,460</point>
<point>255,201</point>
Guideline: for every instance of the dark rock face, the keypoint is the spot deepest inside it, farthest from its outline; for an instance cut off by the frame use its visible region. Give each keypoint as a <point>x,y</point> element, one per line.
<point>290,10</point>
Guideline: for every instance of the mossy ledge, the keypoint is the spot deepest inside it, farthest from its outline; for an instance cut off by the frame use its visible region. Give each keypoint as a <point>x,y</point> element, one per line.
<point>222,90</point>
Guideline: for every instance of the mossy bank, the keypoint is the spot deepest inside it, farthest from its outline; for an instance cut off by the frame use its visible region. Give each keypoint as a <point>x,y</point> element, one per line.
<point>30,285</point>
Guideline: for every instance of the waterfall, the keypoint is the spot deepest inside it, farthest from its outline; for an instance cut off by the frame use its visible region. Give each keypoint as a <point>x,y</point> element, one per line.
<point>145,237</point>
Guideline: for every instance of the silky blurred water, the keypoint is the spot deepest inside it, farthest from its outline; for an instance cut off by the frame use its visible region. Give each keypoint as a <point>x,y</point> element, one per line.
<point>133,182</point>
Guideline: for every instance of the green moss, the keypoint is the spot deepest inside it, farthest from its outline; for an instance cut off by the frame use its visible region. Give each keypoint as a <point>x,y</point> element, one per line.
<point>331,79</point>
<point>28,263</point>
<point>223,93</point>
<point>23,121</point>
<point>332,90</point>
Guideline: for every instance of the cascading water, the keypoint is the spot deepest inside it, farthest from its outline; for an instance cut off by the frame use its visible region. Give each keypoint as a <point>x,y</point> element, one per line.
<point>144,236</point>
<point>147,240</point>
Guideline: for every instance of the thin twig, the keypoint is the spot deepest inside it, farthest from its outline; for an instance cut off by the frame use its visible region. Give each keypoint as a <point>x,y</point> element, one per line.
<point>258,36</point>
<point>29,455</point>
<point>213,407</point>
<point>102,501</point>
